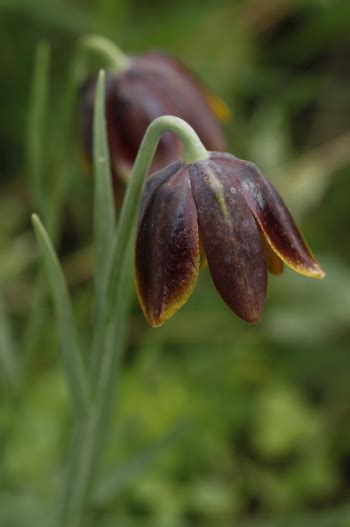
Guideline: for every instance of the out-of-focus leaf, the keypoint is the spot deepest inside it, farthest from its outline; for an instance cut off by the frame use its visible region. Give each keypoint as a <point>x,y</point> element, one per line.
<point>54,14</point>
<point>307,179</point>
<point>13,216</point>
<point>71,354</point>
<point>16,258</point>
<point>270,143</point>
<point>104,215</point>
<point>36,133</point>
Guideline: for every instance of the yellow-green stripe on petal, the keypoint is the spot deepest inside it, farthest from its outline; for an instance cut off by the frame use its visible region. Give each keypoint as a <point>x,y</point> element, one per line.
<point>273,217</point>
<point>231,239</point>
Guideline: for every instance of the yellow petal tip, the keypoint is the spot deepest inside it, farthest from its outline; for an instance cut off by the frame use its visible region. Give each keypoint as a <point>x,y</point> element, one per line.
<point>219,107</point>
<point>310,272</point>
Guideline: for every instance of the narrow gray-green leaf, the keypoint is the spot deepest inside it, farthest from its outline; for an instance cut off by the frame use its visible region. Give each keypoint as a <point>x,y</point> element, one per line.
<point>115,482</point>
<point>71,354</point>
<point>104,210</point>
<point>36,133</point>
<point>104,216</point>
<point>61,175</point>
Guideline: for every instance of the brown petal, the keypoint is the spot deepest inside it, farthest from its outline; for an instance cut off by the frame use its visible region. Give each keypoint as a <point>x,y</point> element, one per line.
<point>275,220</point>
<point>153,85</point>
<point>159,62</point>
<point>232,241</point>
<point>167,247</point>
<point>133,104</point>
<point>185,94</point>
<point>154,182</point>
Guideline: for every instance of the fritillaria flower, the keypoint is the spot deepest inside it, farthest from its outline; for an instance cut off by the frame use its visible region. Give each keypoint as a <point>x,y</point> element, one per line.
<point>225,207</point>
<point>151,85</point>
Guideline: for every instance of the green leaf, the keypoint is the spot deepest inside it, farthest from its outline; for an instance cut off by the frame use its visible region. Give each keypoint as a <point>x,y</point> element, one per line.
<point>61,176</point>
<point>104,209</point>
<point>104,219</point>
<point>54,14</point>
<point>71,354</point>
<point>36,133</point>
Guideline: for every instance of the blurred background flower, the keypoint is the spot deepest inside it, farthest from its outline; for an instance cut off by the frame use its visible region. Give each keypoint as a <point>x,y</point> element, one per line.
<point>151,85</point>
<point>267,407</point>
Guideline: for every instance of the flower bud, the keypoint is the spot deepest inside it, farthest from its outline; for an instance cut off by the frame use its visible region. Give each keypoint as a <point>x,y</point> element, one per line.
<point>152,85</point>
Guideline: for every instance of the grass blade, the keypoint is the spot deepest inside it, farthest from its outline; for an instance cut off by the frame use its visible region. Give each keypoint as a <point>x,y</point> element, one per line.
<point>104,210</point>
<point>36,122</point>
<point>62,164</point>
<point>104,215</point>
<point>71,354</point>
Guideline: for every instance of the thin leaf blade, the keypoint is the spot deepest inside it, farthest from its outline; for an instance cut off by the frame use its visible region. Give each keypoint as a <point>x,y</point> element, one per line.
<point>36,121</point>
<point>104,220</point>
<point>104,210</point>
<point>71,354</point>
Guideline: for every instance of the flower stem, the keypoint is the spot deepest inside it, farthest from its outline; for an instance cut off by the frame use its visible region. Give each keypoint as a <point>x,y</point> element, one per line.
<point>116,59</point>
<point>85,461</point>
<point>193,150</point>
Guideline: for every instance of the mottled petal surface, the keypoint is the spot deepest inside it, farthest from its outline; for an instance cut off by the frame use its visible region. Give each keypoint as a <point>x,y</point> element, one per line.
<point>231,239</point>
<point>273,216</point>
<point>167,246</point>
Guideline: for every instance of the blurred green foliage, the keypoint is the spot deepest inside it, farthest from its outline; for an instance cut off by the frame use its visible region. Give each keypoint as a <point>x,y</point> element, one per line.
<point>218,423</point>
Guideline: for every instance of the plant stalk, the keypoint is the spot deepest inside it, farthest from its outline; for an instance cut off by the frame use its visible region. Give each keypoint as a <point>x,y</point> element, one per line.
<point>83,469</point>
<point>117,60</point>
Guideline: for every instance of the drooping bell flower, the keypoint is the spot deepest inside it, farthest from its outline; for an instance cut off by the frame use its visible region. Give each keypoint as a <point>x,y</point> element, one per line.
<point>226,206</point>
<point>151,85</point>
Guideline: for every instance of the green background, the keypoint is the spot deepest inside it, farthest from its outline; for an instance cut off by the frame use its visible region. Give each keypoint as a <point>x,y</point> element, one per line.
<point>218,423</point>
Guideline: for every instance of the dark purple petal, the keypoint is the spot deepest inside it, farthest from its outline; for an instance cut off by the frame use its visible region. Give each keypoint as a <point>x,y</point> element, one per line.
<point>154,182</point>
<point>152,85</point>
<point>231,239</point>
<point>167,246</point>
<point>135,103</point>
<point>273,217</point>
<point>132,103</point>
<point>189,97</point>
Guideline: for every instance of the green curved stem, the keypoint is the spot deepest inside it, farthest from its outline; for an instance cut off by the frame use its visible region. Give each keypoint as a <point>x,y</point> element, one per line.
<point>116,59</point>
<point>193,150</point>
<point>92,434</point>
